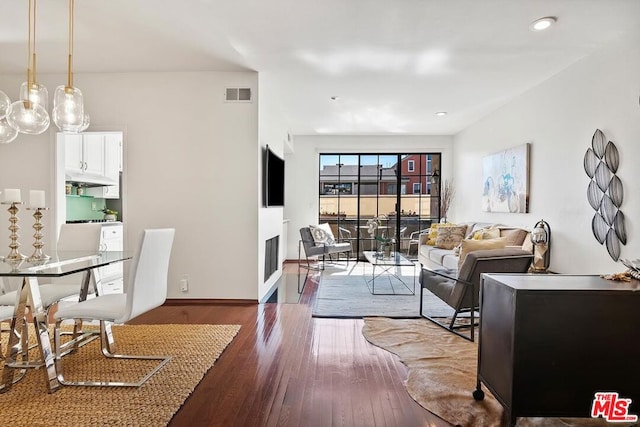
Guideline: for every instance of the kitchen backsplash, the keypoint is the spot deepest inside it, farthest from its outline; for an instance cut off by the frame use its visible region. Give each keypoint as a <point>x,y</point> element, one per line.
<point>79,207</point>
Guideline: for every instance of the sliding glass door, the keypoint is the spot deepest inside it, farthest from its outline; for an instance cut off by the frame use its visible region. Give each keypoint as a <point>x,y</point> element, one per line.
<point>369,196</point>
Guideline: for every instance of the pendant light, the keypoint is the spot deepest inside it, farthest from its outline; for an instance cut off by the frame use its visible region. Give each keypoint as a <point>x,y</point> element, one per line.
<point>7,133</point>
<point>5,102</point>
<point>68,106</point>
<point>29,114</point>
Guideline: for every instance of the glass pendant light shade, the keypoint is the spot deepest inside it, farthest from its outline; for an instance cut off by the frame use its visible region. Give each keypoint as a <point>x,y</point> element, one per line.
<point>36,93</point>
<point>85,122</point>
<point>28,117</point>
<point>5,102</point>
<point>7,133</point>
<point>68,109</point>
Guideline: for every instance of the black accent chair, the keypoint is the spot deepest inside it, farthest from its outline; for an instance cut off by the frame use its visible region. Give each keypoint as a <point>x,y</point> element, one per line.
<point>461,289</point>
<point>319,250</point>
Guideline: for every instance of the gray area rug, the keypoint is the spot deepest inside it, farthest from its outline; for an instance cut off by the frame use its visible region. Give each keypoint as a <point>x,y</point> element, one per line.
<point>344,293</point>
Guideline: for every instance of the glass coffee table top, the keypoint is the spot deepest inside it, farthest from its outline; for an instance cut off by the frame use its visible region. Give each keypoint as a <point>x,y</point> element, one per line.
<point>396,259</point>
<point>388,268</point>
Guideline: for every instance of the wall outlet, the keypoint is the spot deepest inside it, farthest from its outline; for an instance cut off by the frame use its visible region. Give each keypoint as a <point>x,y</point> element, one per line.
<point>184,283</point>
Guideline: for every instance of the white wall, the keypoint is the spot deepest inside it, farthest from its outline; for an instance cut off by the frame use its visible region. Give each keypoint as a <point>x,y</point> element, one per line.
<point>190,164</point>
<point>273,132</point>
<point>559,118</point>
<point>301,190</point>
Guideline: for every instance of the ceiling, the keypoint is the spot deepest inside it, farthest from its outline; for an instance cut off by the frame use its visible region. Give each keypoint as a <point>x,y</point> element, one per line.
<point>392,63</point>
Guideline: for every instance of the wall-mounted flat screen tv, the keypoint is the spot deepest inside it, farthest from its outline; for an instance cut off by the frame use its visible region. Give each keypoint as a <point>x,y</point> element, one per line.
<point>272,179</point>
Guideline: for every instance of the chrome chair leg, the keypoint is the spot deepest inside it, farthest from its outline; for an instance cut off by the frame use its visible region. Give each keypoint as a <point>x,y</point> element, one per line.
<point>107,347</point>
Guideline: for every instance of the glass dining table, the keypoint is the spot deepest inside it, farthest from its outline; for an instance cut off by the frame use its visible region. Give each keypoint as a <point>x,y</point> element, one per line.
<point>59,265</point>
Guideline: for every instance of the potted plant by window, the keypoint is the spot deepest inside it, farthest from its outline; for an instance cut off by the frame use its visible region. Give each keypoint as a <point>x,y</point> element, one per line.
<point>110,215</point>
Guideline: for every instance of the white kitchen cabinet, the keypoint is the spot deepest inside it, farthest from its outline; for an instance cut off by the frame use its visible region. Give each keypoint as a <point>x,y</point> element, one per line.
<point>93,154</point>
<point>111,276</point>
<point>93,157</point>
<point>73,159</point>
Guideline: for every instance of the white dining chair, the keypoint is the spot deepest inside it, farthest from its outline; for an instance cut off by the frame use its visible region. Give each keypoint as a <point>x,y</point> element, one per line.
<point>147,290</point>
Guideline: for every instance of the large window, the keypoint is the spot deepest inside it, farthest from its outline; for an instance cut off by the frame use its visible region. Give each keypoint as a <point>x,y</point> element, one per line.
<point>354,188</point>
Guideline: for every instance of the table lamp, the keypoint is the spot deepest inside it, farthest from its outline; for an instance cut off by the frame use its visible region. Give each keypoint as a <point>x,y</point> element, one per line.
<point>541,238</point>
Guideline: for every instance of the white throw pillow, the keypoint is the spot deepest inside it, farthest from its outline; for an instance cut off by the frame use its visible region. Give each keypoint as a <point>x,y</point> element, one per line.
<point>322,234</point>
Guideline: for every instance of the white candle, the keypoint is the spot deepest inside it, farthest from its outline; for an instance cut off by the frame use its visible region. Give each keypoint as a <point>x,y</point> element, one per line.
<point>12,195</point>
<point>36,199</point>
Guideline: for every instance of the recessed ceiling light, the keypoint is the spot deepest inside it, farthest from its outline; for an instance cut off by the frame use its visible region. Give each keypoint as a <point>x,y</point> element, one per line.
<point>335,98</point>
<point>542,23</point>
<point>441,113</point>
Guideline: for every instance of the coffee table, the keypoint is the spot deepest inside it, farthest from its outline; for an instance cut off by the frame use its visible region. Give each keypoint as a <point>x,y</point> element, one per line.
<point>387,267</point>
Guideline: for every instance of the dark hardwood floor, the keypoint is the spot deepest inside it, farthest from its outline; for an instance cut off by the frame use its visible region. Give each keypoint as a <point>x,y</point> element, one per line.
<point>286,368</point>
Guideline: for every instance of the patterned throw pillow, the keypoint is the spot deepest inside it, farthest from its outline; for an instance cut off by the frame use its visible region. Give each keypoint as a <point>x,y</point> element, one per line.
<point>450,236</point>
<point>433,232</point>
<point>322,234</point>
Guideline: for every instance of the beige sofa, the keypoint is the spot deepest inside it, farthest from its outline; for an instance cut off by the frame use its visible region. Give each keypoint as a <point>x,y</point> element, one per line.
<point>433,257</point>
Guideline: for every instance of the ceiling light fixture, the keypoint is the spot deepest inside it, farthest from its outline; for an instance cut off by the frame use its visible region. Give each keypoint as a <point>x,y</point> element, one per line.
<point>29,114</point>
<point>335,98</point>
<point>7,133</point>
<point>543,23</point>
<point>5,102</point>
<point>441,113</point>
<point>68,103</point>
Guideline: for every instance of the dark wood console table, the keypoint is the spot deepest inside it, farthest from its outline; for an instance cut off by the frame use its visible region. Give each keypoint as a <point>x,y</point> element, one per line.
<point>548,343</point>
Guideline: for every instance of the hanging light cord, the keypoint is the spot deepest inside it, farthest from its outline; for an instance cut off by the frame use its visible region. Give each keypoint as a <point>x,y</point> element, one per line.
<point>29,48</point>
<point>35,5</point>
<point>70,60</point>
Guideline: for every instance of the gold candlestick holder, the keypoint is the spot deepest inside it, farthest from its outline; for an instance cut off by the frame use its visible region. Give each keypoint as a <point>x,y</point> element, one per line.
<point>38,254</point>
<point>14,255</point>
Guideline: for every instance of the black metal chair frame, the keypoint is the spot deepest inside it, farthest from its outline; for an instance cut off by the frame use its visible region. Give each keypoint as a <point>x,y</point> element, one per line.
<point>478,256</point>
<point>452,326</point>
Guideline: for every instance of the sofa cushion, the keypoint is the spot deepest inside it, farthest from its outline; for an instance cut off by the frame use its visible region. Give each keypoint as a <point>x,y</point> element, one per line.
<point>477,245</point>
<point>449,237</point>
<point>450,261</point>
<point>515,236</point>
<point>440,286</point>
<point>436,254</point>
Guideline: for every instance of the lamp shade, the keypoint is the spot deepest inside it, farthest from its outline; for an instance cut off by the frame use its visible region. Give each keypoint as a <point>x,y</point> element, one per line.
<point>539,234</point>
<point>7,132</point>
<point>5,102</point>
<point>28,117</point>
<point>85,122</point>
<point>35,93</point>
<point>68,109</point>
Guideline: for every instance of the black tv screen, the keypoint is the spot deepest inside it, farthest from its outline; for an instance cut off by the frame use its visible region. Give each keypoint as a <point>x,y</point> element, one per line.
<point>273,179</point>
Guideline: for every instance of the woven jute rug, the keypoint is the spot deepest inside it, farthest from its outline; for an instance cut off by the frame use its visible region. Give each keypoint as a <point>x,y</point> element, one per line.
<point>442,374</point>
<point>194,348</point>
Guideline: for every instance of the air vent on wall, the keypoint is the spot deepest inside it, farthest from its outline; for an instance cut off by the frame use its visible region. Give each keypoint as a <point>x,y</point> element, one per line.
<point>238,94</point>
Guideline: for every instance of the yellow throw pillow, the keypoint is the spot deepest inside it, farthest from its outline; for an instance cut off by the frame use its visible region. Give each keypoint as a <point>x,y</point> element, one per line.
<point>486,233</point>
<point>470,245</point>
<point>450,236</point>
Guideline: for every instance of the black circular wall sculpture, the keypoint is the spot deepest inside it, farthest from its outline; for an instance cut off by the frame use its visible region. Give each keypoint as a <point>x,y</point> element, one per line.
<point>605,193</point>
